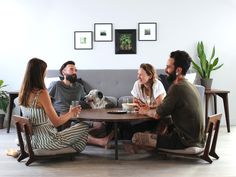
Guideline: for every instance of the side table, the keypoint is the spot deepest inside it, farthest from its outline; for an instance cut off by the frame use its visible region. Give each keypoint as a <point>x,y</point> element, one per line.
<point>224,95</point>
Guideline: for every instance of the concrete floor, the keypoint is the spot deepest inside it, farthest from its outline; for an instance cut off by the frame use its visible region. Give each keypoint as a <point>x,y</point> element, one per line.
<point>95,161</point>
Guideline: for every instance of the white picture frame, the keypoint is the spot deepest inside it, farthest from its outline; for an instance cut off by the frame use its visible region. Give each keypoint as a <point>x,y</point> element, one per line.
<point>147,31</point>
<point>103,32</point>
<point>83,40</point>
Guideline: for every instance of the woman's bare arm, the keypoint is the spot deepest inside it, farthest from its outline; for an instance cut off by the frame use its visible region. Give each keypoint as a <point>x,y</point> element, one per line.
<point>45,101</point>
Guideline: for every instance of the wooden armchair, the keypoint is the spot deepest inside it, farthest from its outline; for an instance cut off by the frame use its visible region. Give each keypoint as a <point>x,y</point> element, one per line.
<point>210,145</point>
<point>24,127</point>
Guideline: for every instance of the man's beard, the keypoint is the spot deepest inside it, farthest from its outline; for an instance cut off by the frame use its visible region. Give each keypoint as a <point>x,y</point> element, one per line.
<point>171,77</point>
<point>71,77</point>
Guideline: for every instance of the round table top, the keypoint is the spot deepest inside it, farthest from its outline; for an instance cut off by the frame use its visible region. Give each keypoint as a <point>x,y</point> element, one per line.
<point>103,115</point>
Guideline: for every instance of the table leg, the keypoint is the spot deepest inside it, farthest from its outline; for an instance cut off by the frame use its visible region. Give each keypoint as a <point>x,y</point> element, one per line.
<point>206,109</point>
<point>116,140</point>
<point>224,96</point>
<point>215,103</point>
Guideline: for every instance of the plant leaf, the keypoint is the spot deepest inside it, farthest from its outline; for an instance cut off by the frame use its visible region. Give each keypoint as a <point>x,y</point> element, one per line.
<point>217,67</point>
<point>213,53</point>
<point>196,67</point>
<point>205,66</point>
<point>215,62</point>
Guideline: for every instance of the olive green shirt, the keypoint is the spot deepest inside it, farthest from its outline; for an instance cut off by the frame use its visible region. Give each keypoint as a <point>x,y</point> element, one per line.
<point>184,105</point>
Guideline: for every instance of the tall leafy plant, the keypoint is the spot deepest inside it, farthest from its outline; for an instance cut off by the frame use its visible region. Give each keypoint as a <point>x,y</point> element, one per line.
<point>205,66</point>
<point>4,98</point>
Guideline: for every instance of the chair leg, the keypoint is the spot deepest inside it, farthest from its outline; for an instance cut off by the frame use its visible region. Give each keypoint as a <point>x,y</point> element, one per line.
<point>29,161</point>
<point>22,156</point>
<point>213,146</point>
<point>213,154</point>
<point>206,158</point>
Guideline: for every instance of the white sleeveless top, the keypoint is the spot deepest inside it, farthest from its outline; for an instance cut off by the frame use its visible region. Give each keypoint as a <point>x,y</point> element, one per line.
<point>157,90</point>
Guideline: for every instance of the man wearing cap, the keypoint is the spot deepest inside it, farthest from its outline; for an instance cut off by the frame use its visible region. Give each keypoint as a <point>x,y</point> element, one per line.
<point>66,90</point>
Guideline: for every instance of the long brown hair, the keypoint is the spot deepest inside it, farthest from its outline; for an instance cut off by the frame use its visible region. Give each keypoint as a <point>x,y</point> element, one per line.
<point>33,79</point>
<point>151,71</point>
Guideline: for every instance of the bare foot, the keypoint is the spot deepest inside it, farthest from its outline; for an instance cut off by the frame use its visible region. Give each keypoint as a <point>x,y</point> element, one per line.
<point>144,139</point>
<point>130,148</point>
<point>107,139</point>
<point>13,152</point>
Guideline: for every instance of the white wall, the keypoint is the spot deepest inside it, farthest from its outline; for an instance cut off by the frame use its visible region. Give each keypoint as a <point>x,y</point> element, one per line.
<point>44,29</point>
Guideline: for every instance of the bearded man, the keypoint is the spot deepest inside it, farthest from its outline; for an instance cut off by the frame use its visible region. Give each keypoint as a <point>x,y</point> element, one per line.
<point>183,104</point>
<point>66,90</point>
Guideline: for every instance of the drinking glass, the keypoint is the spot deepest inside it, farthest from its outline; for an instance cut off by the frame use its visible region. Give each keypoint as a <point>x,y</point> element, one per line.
<point>74,103</point>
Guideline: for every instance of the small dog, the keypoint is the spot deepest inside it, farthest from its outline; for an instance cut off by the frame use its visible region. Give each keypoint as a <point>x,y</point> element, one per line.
<point>97,100</point>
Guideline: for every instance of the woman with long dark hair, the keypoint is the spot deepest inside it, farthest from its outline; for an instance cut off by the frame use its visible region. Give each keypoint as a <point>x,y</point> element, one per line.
<point>36,105</point>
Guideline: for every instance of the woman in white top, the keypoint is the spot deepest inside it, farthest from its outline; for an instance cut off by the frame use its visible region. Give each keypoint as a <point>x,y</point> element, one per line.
<point>148,90</point>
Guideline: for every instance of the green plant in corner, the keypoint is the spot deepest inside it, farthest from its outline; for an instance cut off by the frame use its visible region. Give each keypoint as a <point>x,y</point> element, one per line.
<point>4,98</point>
<point>206,66</point>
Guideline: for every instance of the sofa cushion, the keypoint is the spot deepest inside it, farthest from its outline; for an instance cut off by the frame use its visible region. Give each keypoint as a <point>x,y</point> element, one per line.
<point>113,101</point>
<point>189,150</point>
<point>191,77</point>
<point>49,80</point>
<point>46,152</point>
<point>163,79</point>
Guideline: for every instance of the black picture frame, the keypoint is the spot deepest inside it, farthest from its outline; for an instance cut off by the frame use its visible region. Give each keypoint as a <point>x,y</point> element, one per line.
<point>147,31</point>
<point>125,41</point>
<point>83,40</point>
<point>103,32</point>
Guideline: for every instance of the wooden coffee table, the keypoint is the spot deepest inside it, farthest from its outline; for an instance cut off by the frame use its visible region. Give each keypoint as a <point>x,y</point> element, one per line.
<point>102,115</point>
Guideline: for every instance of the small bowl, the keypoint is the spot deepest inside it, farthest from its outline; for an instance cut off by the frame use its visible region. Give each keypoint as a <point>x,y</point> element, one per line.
<point>128,106</point>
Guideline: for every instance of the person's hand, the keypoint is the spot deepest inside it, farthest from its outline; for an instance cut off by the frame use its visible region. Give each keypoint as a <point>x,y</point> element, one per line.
<point>143,110</point>
<point>139,103</point>
<point>75,111</point>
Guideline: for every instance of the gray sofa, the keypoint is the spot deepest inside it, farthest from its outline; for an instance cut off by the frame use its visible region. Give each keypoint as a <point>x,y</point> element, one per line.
<point>115,84</point>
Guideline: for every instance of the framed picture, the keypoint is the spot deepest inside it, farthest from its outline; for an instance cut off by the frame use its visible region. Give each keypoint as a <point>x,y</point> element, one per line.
<point>83,40</point>
<point>103,32</point>
<point>147,31</point>
<point>125,41</point>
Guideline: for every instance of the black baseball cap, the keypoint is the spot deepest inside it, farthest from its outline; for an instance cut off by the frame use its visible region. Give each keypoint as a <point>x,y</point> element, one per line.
<point>65,64</point>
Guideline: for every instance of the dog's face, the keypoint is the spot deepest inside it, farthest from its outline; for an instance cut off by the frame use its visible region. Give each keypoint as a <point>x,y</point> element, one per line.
<point>95,97</point>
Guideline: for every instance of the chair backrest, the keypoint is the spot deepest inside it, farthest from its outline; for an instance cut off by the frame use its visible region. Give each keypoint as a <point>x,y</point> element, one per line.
<point>211,133</point>
<point>214,121</point>
<point>212,130</point>
<point>24,124</point>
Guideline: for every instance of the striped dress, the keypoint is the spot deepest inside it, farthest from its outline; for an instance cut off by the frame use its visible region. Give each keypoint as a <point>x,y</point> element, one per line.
<point>46,136</point>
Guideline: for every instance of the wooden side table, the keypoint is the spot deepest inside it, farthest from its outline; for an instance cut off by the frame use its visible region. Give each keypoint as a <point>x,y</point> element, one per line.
<point>12,96</point>
<point>224,95</point>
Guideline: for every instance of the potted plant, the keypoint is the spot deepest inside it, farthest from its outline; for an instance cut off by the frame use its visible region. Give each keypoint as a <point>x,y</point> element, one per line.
<point>4,100</point>
<point>206,66</point>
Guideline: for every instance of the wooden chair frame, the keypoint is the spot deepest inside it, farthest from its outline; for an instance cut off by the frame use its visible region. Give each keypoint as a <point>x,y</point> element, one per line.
<point>211,131</point>
<point>23,126</point>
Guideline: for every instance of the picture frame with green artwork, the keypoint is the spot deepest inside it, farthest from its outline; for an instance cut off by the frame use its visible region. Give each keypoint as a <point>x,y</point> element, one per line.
<point>125,41</point>
<point>83,40</point>
<point>147,31</point>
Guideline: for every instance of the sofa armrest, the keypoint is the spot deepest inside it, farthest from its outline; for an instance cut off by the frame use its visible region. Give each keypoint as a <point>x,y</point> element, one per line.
<point>201,90</point>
